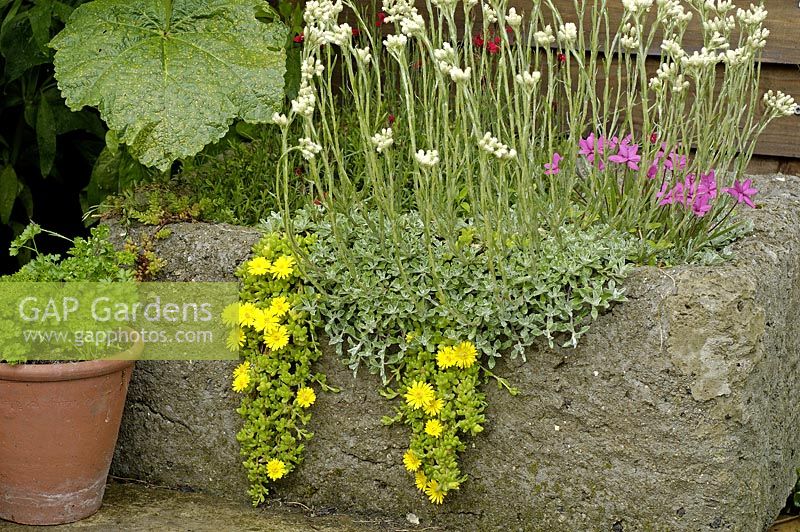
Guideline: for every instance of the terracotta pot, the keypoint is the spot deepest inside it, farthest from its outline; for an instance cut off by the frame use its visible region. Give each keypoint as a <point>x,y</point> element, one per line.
<point>58,428</point>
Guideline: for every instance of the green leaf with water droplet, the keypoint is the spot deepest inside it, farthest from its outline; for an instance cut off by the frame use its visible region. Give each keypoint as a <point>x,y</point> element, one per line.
<point>170,77</point>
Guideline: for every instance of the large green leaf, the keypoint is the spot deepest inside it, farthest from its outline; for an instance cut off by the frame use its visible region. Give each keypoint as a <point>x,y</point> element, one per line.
<point>170,77</point>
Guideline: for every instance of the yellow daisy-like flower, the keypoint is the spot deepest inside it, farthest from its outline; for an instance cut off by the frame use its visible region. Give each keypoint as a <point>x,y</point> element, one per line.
<point>277,338</point>
<point>410,337</point>
<point>247,314</point>
<point>420,480</point>
<point>265,320</point>
<point>434,492</point>
<point>258,266</point>
<point>433,428</point>
<point>230,315</point>
<point>241,369</point>
<point>235,339</point>
<point>276,469</point>
<point>465,354</point>
<point>434,408</point>
<point>420,394</point>
<point>306,397</point>
<point>411,461</point>
<point>279,306</point>
<point>241,382</point>
<point>283,267</point>
<point>445,357</point>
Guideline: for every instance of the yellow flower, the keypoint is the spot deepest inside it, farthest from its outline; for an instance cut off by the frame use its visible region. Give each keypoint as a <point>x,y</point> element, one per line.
<point>419,394</point>
<point>242,369</point>
<point>241,382</point>
<point>230,315</point>
<point>434,408</point>
<point>279,306</point>
<point>277,338</point>
<point>410,337</point>
<point>434,492</point>
<point>283,267</point>
<point>420,480</point>
<point>258,266</point>
<point>247,314</point>
<point>276,469</point>
<point>433,428</point>
<point>445,358</point>
<point>465,354</point>
<point>411,461</point>
<point>235,339</point>
<point>265,320</point>
<point>306,397</point>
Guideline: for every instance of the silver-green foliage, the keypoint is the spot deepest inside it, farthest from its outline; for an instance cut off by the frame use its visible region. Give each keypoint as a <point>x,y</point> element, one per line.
<point>374,299</point>
<point>169,77</point>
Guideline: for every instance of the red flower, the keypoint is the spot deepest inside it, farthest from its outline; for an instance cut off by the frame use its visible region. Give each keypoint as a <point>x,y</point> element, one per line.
<point>379,20</point>
<point>497,40</point>
<point>509,29</point>
<point>356,32</point>
<point>653,138</point>
<point>478,40</point>
<point>299,38</point>
<point>391,119</point>
<point>492,48</point>
<point>562,58</point>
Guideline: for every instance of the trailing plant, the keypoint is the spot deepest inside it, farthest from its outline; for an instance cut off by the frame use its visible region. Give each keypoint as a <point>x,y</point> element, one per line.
<point>170,76</point>
<point>275,334</point>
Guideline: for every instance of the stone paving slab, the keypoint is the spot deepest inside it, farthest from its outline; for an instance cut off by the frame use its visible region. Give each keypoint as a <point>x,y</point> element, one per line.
<point>132,507</point>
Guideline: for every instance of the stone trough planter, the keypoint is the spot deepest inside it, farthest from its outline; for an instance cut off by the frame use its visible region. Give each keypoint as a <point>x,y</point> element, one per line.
<point>678,410</point>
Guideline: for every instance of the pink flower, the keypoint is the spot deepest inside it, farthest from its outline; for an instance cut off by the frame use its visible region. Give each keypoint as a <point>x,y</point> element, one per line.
<point>708,185</point>
<point>591,147</point>
<point>552,168</point>
<point>701,205</point>
<point>627,154</point>
<point>742,192</point>
<point>675,162</point>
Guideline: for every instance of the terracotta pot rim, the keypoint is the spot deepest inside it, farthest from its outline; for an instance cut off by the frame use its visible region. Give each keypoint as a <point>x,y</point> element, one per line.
<point>69,371</point>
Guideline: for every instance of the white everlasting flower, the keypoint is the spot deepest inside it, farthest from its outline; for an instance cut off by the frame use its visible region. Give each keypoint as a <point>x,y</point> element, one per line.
<point>630,37</point>
<point>758,39</point>
<point>665,73</point>
<point>568,34</point>
<point>413,24</point>
<point>458,75</point>
<point>718,42</point>
<point>305,101</point>
<point>637,6</point>
<point>445,53</point>
<point>753,16</point>
<point>311,67</point>
<point>280,119</point>
<point>528,80</point>
<point>489,14</point>
<point>363,55</point>
<point>703,58</point>
<point>544,38</point>
<point>781,103</point>
<point>679,85</point>
<point>321,13</point>
<point>383,139</point>
<point>513,19</point>
<point>673,47</point>
<point>672,10</point>
<point>739,56</point>
<point>722,25</point>
<point>308,148</point>
<point>494,147</point>
<point>721,6</point>
<point>396,44</point>
<point>397,10</point>
<point>340,35</point>
<point>427,158</point>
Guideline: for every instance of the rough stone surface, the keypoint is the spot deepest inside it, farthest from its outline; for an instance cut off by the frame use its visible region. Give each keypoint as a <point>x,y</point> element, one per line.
<point>676,412</point>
